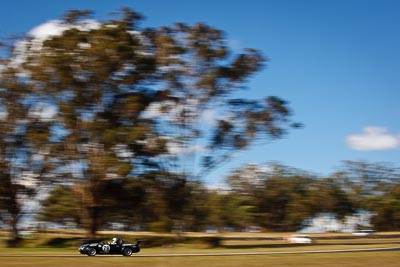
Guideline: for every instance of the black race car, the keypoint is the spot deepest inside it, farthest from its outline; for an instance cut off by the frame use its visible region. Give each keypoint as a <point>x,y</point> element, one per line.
<point>116,246</point>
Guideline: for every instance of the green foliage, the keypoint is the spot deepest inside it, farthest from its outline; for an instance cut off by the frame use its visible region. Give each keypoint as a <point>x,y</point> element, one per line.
<point>274,197</point>
<point>230,211</point>
<point>165,225</point>
<point>61,206</point>
<point>284,197</point>
<point>387,209</point>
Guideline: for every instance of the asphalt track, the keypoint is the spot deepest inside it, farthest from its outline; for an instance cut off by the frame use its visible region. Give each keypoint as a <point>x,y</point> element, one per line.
<point>205,254</point>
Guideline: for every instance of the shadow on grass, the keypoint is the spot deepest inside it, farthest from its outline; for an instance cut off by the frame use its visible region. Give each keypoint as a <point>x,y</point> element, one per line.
<point>62,242</point>
<point>247,246</point>
<point>288,245</point>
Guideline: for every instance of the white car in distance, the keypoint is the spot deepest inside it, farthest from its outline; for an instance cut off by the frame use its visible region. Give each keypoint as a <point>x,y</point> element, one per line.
<point>299,239</point>
<point>364,232</point>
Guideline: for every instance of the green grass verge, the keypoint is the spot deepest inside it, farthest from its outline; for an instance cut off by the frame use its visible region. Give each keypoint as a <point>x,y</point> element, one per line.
<point>59,248</point>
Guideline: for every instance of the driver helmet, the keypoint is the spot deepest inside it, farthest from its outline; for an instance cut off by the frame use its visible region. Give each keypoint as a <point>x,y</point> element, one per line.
<point>114,241</point>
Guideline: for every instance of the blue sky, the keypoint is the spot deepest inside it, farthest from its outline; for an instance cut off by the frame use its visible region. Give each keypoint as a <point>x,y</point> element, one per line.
<point>336,62</point>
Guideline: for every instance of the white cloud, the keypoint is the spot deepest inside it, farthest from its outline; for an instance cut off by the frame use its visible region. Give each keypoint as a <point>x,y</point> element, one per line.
<point>47,29</point>
<point>373,138</point>
<point>57,27</point>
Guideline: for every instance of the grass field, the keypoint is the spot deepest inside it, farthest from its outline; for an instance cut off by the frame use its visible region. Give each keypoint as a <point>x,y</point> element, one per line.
<point>370,259</point>
<point>68,256</point>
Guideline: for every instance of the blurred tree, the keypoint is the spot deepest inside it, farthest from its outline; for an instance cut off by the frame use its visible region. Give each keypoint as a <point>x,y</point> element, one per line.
<point>274,199</point>
<point>61,206</point>
<point>204,114</point>
<point>125,203</point>
<point>174,203</point>
<point>279,194</point>
<point>247,181</point>
<point>387,210</point>
<point>228,211</point>
<point>132,102</point>
<point>326,195</point>
<point>196,210</point>
<point>284,197</point>
<point>363,180</point>
<point>24,147</point>
<point>94,75</point>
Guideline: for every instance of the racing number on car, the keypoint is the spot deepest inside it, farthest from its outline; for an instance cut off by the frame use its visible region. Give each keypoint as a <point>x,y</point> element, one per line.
<point>106,248</point>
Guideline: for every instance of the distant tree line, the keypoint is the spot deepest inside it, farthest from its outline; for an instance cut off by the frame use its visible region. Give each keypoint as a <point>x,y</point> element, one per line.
<point>271,197</point>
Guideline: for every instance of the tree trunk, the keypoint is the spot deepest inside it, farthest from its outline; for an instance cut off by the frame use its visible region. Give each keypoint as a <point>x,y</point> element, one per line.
<point>14,211</point>
<point>93,226</point>
<point>15,239</point>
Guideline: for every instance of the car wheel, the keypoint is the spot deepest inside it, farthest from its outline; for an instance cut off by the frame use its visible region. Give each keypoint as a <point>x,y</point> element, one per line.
<point>91,252</point>
<point>127,252</point>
